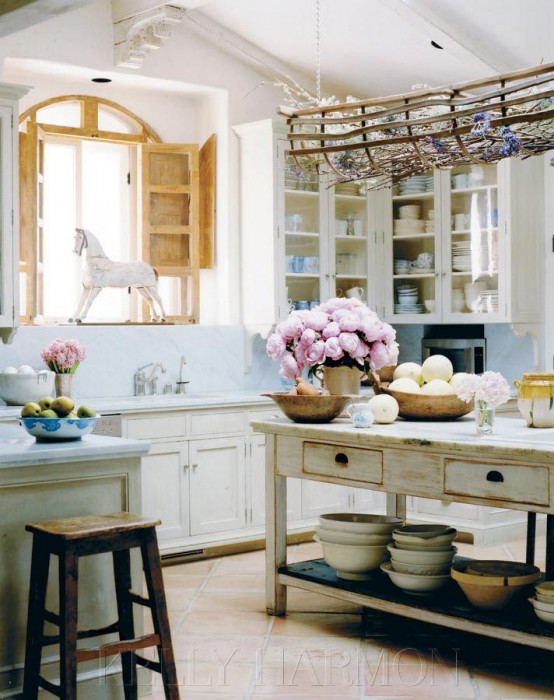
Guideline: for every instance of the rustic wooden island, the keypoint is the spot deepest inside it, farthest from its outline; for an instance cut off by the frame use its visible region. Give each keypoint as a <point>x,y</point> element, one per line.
<point>512,468</point>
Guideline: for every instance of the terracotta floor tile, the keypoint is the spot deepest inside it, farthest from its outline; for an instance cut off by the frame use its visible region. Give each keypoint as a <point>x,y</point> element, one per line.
<point>183,582</point>
<point>235,582</point>
<point>310,624</point>
<point>307,676</point>
<point>202,566</point>
<point>214,647</point>
<point>253,601</point>
<point>244,623</point>
<point>426,679</point>
<point>220,677</point>
<point>288,648</point>
<point>513,683</point>
<point>247,563</point>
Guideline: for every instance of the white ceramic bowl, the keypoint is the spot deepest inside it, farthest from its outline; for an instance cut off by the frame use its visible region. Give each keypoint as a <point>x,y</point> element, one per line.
<point>424,539</point>
<point>353,561</point>
<point>425,531</point>
<point>420,569</point>
<point>429,305</point>
<point>546,588</point>
<point>430,557</point>
<point>52,429</point>
<point>339,537</point>
<point>417,585</point>
<point>542,611</point>
<point>18,389</point>
<point>361,523</point>
<point>546,599</point>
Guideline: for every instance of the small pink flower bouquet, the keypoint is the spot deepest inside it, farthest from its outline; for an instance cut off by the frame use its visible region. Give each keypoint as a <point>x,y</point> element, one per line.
<point>489,388</point>
<point>63,356</point>
<point>339,332</point>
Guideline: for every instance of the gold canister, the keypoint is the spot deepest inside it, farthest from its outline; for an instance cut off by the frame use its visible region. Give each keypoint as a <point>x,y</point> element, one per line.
<point>535,398</point>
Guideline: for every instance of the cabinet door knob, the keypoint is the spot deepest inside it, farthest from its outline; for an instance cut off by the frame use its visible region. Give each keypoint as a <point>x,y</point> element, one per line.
<point>341,458</point>
<point>185,467</point>
<point>495,476</point>
<point>194,465</point>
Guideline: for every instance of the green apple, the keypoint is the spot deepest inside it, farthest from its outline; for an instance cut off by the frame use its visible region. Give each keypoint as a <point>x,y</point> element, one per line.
<point>45,403</point>
<point>63,405</point>
<point>30,410</point>
<point>86,412</point>
<point>48,413</point>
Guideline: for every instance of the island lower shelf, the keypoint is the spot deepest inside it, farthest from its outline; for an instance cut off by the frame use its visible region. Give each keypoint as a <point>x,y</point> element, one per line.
<point>448,607</point>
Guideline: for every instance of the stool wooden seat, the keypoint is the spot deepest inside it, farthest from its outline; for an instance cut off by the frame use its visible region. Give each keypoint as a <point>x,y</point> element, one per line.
<point>69,539</point>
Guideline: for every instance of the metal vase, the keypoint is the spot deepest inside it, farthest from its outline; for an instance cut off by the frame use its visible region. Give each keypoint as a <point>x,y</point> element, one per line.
<point>63,384</point>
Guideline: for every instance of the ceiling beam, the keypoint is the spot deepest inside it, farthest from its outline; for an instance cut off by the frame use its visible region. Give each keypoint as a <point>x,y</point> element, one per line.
<point>20,14</point>
<point>447,35</point>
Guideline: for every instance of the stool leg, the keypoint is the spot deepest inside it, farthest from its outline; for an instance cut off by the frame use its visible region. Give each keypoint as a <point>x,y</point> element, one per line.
<point>40,563</point>
<point>122,574</point>
<point>156,593</point>
<point>68,581</point>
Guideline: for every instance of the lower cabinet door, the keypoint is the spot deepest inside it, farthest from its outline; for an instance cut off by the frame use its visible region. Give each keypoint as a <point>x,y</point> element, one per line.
<point>165,489</point>
<point>217,485</point>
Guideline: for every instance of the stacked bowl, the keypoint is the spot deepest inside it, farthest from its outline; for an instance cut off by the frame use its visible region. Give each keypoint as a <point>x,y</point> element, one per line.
<point>355,544</point>
<point>493,584</point>
<point>543,602</point>
<point>421,556</point>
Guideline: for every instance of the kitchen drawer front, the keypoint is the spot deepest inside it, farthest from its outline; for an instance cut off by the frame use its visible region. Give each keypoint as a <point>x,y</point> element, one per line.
<point>345,462</point>
<point>157,428</point>
<point>513,483</point>
<point>207,424</point>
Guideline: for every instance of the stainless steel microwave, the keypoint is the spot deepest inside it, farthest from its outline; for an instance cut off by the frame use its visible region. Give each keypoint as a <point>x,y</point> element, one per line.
<point>466,354</point>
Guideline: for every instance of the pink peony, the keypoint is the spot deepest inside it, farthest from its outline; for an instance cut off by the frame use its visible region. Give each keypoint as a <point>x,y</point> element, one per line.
<point>315,354</point>
<point>347,320</point>
<point>289,367</point>
<point>379,356</point>
<point>308,337</point>
<point>316,320</point>
<point>332,349</point>
<point>291,328</point>
<point>276,346</point>
<point>332,330</point>
<point>350,343</point>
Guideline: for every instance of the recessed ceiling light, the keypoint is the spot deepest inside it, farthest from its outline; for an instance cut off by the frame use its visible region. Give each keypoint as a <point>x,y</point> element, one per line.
<point>435,45</point>
<point>101,80</point>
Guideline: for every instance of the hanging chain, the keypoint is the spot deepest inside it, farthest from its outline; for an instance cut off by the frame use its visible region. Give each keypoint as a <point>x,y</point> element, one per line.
<point>318,52</point>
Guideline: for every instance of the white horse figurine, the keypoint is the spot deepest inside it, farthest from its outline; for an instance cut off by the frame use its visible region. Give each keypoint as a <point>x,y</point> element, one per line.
<point>102,272</point>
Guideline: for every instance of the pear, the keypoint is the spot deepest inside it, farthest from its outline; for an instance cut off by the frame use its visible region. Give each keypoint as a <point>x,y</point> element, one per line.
<point>45,403</point>
<point>304,388</point>
<point>30,410</point>
<point>48,413</point>
<point>73,416</point>
<point>63,405</point>
<point>86,412</point>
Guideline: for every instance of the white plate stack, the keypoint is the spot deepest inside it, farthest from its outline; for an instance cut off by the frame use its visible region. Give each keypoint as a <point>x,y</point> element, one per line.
<point>407,295</point>
<point>487,302</point>
<point>405,227</point>
<point>461,256</point>
<point>416,184</point>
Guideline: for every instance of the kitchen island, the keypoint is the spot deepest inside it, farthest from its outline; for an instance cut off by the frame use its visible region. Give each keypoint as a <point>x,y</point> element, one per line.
<point>512,468</point>
<point>43,481</point>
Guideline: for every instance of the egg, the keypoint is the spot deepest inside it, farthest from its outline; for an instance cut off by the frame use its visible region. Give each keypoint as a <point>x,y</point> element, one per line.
<point>25,369</point>
<point>10,370</point>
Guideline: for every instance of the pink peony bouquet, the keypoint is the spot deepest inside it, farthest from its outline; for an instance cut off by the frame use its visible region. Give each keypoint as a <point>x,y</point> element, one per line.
<point>489,388</point>
<point>339,332</point>
<point>63,356</point>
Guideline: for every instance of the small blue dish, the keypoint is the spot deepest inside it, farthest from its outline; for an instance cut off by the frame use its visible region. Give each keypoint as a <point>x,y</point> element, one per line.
<point>55,429</point>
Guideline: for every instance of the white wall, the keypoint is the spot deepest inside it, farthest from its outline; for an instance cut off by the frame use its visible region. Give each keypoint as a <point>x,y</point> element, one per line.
<point>186,90</point>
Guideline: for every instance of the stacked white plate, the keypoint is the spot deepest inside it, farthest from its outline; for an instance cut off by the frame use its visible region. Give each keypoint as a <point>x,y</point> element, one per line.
<point>461,256</point>
<point>416,184</point>
<point>403,227</point>
<point>487,302</point>
<point>429,226</point>
<point>408,300</point>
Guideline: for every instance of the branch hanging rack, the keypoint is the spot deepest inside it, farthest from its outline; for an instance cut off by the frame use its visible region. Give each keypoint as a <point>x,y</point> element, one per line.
<point>387,139</point>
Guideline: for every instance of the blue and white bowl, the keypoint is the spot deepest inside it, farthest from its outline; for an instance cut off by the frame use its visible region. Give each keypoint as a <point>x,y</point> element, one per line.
<point>46,429</point>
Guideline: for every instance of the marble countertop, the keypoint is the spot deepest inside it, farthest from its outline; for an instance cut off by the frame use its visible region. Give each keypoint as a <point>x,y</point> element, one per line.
<point>165,402</point>
<point>509,435</point>
<point>19,449</point>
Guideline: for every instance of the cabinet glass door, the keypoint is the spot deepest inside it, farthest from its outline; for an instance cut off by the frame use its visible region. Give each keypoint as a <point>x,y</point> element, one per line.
<point>349,233</point>
<point>414,248</point>
<point>472,221</point>
<point>302,237</point>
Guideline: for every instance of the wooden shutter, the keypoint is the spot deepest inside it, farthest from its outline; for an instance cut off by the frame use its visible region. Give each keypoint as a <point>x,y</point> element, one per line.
<point>207,203</point>
<point>171,221</point>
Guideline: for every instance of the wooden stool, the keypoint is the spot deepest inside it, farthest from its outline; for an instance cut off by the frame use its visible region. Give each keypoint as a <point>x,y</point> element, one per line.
<point>70,539</point>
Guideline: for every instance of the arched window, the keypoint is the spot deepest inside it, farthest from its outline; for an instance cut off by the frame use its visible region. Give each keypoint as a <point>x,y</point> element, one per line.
<point>87,162</point>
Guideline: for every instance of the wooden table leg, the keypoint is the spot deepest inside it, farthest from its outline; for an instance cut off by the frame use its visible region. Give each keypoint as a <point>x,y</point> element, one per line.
<point>531,534</point>
<point>275,531</point>
<point>396,505</point>
<point>549,569</point>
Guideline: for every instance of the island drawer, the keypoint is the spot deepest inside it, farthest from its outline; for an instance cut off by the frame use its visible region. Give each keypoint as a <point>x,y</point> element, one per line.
<point>515,483</point>
<point>352,463</point>
<point>156,428</point>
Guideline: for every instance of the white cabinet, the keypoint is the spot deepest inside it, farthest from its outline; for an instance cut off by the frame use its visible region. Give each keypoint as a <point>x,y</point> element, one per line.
<point>465,246</point>
<point>9,211</point>
<point>217,485</point>
<point>302,241</point>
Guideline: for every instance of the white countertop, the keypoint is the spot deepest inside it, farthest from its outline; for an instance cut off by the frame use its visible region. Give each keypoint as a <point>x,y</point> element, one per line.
<point>141,404</point>
<point>19,449</point>
<point>510,434</point>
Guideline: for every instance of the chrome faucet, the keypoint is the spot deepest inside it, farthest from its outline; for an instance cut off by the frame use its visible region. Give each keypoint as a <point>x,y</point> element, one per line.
<point>142,381</point>
<point>182,383</point>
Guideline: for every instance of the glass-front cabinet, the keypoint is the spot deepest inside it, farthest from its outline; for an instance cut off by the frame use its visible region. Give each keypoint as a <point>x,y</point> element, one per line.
<point>463,245</point>
<point>9,209</point>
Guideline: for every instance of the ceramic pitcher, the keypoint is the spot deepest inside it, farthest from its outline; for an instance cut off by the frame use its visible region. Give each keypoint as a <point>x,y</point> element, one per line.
<point>535,398</point>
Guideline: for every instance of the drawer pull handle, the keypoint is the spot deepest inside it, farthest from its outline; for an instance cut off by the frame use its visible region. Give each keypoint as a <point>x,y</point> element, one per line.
<point>495,476</point>
<point>341,458</point>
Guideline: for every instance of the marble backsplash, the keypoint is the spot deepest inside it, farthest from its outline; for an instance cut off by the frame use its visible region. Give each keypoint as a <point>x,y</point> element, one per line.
<point>218,358</point>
